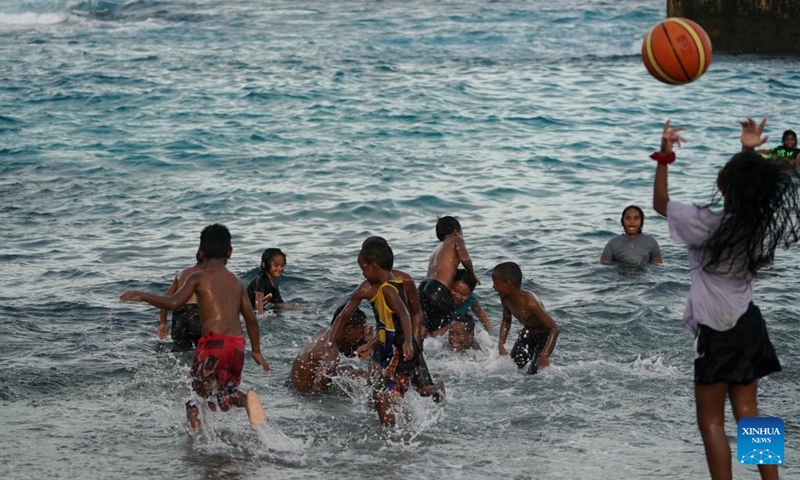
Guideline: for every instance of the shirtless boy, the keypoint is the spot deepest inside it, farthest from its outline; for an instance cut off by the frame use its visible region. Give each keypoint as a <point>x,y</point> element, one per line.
<point>539,333</point>
<point>218,360</point>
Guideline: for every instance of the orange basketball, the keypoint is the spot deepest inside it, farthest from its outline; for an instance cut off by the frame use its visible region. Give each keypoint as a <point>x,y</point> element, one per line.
<point>676,51</point>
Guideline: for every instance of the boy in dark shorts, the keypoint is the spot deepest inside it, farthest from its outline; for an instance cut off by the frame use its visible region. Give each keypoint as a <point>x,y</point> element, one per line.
<point>186,326</point>
<point>538,337</point>
<point>392,347</point>
<point>218,360</point>
<point>434,291</point>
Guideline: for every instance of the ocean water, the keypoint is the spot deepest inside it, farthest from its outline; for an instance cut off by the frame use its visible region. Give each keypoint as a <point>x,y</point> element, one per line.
<point>128,125</point>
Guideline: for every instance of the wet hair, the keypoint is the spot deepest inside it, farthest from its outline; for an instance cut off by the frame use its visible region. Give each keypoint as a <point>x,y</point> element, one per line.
<point>467,320</point>
<point>464,276</point>
<point>267,256</point>
<point>377,250</point>
<point>215,241</point>
<point>510,272</point>
<point>762,211</point>
<point>445,226</point>
<point>357,319</point>
<point>641,215</point>
<point>787,134</point>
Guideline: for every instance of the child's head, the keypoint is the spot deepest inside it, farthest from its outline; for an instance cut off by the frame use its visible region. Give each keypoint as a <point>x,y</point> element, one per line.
<point>789,139</point>
<point>352,335</point>
<point>273,262</point>
<point>632,220</point>
<point>215,242</point>
<point>375,255</point>
<point>462,333</point>
<point>446,226</point>
<point>507,277</point>
<point>463,285</point>
<point>762,211</point>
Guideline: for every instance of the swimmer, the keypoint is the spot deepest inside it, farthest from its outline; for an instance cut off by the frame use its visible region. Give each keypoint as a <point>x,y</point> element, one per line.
<point>461,336</point>
<point>632,247</point>
<point>464,297</point>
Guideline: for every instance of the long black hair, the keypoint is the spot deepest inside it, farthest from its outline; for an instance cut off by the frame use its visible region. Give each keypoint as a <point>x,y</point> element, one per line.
<point>762,211</point>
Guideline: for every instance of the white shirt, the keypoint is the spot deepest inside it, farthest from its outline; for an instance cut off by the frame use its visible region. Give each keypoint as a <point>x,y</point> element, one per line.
<point>716,299</point>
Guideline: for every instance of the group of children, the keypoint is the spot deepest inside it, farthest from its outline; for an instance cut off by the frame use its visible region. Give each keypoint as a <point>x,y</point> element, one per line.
<point>726,250</point>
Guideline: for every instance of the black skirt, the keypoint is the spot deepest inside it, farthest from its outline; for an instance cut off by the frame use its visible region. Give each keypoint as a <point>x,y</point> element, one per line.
<point>739,355</point>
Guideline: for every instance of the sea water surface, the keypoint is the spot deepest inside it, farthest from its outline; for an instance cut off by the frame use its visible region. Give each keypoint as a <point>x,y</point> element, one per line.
<point>128,125</point>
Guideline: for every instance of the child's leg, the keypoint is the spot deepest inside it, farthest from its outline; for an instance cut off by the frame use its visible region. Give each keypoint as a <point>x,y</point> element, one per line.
<point>710,401</point>
<point>745,404</point>
<point>251,403</point>
<point>383,404</point>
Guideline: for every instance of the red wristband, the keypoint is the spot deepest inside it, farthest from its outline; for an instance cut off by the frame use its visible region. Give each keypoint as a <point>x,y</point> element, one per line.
<point>663,157</point>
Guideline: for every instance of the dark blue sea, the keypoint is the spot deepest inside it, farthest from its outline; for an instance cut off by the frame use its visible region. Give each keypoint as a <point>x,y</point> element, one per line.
<point>126,126</point>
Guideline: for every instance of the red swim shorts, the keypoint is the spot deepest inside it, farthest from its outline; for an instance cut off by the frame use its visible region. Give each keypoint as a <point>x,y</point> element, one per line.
<point>217,367</point>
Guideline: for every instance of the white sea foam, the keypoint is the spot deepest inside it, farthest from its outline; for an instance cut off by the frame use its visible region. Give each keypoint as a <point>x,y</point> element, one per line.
<point>32,19</point>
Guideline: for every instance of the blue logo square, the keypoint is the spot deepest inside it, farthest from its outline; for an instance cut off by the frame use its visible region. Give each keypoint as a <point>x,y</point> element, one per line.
<point>760,441</point>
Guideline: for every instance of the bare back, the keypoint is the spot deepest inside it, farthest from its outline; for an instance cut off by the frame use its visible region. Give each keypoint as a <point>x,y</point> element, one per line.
<point>444,261</point>
<point>309,360</point>
<point>220,294</point>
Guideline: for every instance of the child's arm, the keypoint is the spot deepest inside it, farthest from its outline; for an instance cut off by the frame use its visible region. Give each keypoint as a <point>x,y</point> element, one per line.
<point>481,314</point>
<point>463,256</point>
<point>505,326</point>
<point>251,323</point>
<point>669,137</point>
<point>547,322</point>
<point>365,350</point>
<point>414,304</point>
<point>163,328</point>
<point>360,293</point>
<point>394,302</point>
<point>172,302</point>
<point>260,301</point>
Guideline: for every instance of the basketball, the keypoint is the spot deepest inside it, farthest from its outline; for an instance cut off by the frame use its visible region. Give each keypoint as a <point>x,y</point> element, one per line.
<point>676,51</point>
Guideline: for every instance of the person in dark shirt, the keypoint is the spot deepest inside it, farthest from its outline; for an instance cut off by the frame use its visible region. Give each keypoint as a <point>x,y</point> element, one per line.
<point>264,288</point>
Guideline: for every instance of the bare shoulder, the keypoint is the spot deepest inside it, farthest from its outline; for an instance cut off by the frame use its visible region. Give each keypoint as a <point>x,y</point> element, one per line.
<point>402,276</point>
<point>532,299</point>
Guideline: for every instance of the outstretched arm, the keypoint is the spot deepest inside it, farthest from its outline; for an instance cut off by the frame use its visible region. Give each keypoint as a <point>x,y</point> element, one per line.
<point>669,137</point>
<point>172,302</point>
<point>251,323</point>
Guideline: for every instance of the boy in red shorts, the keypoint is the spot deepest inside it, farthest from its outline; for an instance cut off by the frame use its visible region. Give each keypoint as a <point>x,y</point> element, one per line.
<point>219,357</point>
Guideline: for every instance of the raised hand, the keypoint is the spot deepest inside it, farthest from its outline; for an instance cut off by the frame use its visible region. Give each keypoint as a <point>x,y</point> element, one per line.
<point>751,133</point>
<point>670,137</point>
